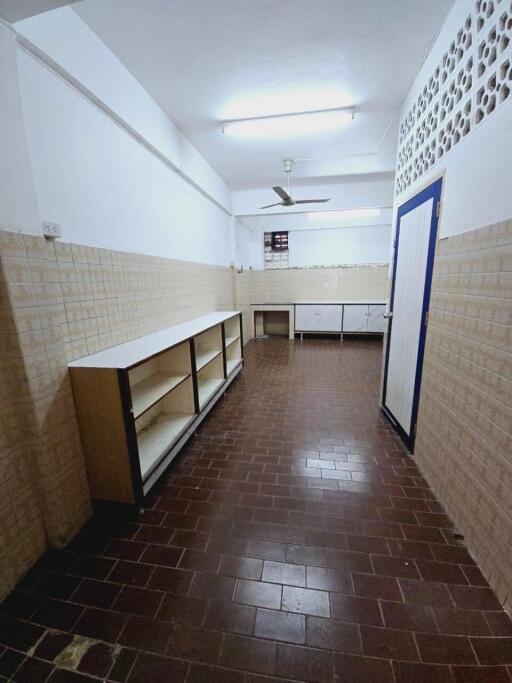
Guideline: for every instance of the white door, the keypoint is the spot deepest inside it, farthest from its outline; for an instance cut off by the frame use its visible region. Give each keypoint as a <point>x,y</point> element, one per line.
<point>355,318</point>
<point>376,317</point>
<point>329,318</point>
<point>410,297</point>
<point>306,318</point>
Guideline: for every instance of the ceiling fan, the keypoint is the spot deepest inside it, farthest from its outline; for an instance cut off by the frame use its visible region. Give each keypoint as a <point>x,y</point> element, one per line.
<point>286,198</point>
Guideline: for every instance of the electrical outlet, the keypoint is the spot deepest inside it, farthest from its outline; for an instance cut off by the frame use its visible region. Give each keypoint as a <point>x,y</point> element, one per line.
<point>51,230</point>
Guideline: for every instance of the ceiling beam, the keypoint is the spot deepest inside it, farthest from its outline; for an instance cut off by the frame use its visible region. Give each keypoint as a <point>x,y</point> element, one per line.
<point>16,10</point>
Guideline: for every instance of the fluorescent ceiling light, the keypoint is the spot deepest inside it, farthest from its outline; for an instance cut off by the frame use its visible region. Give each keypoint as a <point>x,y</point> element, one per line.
<point>289,124</point>
<point>345,214</point>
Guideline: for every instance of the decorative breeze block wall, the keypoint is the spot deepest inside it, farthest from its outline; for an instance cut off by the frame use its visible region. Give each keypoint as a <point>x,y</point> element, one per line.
<point>473,78</point>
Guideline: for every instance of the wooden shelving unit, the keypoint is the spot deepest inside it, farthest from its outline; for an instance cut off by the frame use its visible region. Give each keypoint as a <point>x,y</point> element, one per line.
<point>138,403</point>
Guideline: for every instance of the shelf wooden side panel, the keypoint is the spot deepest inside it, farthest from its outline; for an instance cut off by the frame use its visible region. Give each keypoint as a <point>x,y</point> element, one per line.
<point>102,429</point>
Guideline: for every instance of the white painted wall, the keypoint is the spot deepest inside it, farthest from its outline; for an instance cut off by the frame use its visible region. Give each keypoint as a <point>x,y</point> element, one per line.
<point>103,187</point>
<point>68,40</point>
<point>318,247</point>
<point>315,242</point>
<point>335,246</point>
<point>477,172</point>
<point>249,246</point>
<point>301,221</point>
<point>18,201</point>
<point>100,157</point>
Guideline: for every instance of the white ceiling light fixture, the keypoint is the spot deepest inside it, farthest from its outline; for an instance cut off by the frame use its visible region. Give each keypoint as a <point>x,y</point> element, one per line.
<point>322,121</point>
<point>344,214</point>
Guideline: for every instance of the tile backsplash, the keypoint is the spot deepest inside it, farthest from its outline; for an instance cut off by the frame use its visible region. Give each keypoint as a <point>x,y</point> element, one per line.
<point>464,433</point>
<point>58,302</point>
<point>321,284</point>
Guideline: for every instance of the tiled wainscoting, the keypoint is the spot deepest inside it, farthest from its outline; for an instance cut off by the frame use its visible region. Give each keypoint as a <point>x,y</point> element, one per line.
<point>323,284</point>
<point>464,440</point>
<point>58,302</point>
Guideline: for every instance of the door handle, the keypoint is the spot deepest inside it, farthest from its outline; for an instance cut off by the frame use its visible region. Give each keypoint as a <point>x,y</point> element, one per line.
<point>388,314</point>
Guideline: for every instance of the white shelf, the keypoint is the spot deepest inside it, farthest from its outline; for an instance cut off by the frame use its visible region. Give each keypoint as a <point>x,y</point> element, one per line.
<point>152,389</point>
<point>157,440</point>
<point>204,357</point>
<point>207,386</point>
<point>232,364</point>
<point>231,340</point>
<point>133,352</point>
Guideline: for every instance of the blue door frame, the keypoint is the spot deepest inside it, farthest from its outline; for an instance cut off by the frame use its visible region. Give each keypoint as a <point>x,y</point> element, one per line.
<point>433,191</point>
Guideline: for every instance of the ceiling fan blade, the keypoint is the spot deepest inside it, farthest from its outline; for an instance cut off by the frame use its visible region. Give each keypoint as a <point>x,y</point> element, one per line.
<point>311,201</point>
<point>282,193</point>
<point>269,205</point>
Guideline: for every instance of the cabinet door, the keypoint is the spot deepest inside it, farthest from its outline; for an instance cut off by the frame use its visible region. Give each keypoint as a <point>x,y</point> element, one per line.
<point>376,317</point>
<point>329,318</point>
<point>306,318</point>
<point>355,318</point>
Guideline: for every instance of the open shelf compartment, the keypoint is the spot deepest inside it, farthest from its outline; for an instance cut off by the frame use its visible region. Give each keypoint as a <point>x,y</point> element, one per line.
<point>155,378</point>
<point>233,356</point>
<point>231,331</point>
<point>162,425</point>
<point>209,380</point>
<point>208,346</point>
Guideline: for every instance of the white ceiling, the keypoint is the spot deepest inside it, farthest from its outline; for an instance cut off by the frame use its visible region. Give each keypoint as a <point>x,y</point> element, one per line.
<point>208,60</point>
<point>16,10</point>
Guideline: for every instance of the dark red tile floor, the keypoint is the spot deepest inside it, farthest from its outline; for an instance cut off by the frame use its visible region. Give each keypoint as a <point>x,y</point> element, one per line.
<point>293,539</point>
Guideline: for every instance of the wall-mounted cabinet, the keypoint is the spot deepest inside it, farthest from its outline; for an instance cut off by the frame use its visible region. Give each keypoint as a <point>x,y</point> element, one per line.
<point>139,402</point>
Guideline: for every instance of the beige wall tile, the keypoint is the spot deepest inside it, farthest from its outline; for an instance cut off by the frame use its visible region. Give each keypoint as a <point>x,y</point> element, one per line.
<point>464,434</point>
<point>294,284</point>
<point>63,301</point>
